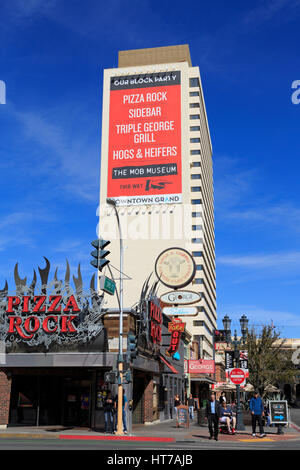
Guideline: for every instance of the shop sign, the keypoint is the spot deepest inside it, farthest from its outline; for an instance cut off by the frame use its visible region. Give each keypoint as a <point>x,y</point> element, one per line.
<point>201,366</point>
<point>182,416</point>
<point>175,267</point>
<point>176,328</point>
<point>278,412</point>
<point>180,311</point>
<point>52,312</point>
<point>180,297</point>
<point>155,317</point>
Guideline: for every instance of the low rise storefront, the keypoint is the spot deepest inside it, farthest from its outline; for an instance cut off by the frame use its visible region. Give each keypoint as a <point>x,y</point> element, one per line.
<point>57,342</point>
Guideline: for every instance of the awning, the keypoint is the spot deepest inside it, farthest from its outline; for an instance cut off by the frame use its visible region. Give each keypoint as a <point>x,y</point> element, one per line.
<point>169,365</point>
<point>202,379</point>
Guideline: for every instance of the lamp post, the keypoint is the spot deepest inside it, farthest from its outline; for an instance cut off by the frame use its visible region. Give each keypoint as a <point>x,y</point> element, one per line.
<point>244,325</point>
<point>112,203</point>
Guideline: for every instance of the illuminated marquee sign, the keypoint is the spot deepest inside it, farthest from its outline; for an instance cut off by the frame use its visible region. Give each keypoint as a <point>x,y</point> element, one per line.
<point>144,154</point>
<point>155,316</point>
<point>176,327</point>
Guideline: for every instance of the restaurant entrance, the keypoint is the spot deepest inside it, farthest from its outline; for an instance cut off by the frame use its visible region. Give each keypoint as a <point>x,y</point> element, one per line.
<point>49,398</point>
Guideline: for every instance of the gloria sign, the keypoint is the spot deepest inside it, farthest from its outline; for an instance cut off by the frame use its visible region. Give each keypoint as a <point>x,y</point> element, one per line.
<point>144,155</point>
<point>51,313</point>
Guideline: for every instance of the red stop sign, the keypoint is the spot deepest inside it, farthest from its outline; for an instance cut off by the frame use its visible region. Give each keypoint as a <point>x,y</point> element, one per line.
<point>237,376</point>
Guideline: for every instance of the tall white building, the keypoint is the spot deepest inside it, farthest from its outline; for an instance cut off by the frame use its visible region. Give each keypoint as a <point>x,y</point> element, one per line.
<point>156,163</point>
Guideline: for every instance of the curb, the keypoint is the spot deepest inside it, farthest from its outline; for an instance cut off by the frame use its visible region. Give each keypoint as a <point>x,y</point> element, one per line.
<point>116,438</point>
<point>26,436</point>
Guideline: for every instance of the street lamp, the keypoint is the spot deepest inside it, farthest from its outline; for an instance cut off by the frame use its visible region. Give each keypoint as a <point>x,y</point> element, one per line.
<point>112,203</point>
<point>244,326</point>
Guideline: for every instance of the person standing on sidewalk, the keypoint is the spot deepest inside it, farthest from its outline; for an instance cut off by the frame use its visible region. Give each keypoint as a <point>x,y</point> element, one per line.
<point>108,406</point>
<point>213,415</point>
<point>257,412</point>
<point>191,404</point>
<point>177,402</point>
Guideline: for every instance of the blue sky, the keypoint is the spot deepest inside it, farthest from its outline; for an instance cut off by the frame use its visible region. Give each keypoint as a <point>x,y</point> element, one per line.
<point>52,55</point>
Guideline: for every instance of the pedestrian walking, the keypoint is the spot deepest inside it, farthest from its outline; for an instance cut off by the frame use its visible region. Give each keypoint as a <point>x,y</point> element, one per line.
<point>108,406</point>
<point>257,412</point>
<point>213,414</point>
<point>191,405</point>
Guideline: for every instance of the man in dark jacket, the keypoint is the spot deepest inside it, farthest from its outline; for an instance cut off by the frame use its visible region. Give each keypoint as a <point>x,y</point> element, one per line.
<point>257,411</point>
<point>213,415</point>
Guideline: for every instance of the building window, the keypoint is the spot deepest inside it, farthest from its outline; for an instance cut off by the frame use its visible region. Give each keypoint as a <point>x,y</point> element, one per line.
<point>194,116</point>
<point>197,240</point>
<point>198,323</point>
<point>194,105</point>
<point>199,267</point>
<point>194,128</point>
<point>195,140</point>
<point>196,227</point>
<point>196,164</point>
<point>198,281</point>
<point>194,93</point>
<point>196,201</point>
<point>196,177</point>
<point>194,81</point>
<point>195,152</point>
<point>195,189</point>
<point>196,214</point>
<point>197,254</point>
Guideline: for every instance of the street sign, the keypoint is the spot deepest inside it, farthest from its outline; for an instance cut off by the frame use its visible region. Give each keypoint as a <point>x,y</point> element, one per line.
<point>237,376</point>
<point>278,411</point>
<point>180,311</point>
<point>180,297</point>
<point>107,285</point>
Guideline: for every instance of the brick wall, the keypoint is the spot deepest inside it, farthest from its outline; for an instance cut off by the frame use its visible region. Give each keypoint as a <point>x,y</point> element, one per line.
<point>5,387</point>
<point>148,401</point>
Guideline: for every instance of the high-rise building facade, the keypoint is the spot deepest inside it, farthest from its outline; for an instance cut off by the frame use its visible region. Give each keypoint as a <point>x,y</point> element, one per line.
<point>156,164</point>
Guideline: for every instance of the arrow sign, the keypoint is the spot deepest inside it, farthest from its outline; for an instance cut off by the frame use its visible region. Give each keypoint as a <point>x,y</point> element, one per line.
<point>279,417</point>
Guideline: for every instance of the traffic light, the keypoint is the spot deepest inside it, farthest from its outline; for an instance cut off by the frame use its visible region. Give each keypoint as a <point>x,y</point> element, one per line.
<point>131,347</point>
<point>110,377</point>
<point>99,254</point>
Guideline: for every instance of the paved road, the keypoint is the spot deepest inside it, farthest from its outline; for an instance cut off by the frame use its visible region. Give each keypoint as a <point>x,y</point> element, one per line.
<point>158,448</point>
<point>295,416</point>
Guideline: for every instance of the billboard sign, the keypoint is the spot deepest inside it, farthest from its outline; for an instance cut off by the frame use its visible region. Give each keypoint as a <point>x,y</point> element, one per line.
<point>144,154</point>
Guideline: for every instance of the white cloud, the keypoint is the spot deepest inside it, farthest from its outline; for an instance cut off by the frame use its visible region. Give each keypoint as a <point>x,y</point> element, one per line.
<point>272,260</point>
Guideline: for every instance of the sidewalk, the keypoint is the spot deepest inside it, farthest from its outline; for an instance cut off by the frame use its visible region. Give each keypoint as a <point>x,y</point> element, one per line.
<point>161,432</point>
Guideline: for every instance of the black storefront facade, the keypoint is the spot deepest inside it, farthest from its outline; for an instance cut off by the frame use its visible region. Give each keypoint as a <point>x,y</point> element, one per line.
<point>56,348</point>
